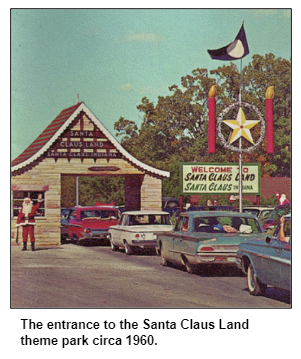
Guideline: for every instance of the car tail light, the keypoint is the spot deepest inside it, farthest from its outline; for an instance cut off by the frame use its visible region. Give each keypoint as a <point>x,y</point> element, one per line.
<point>88,230</point>
<point>137,235</point>
<point>207,249</point>
<point>219,258</point>
<point>205,253</point>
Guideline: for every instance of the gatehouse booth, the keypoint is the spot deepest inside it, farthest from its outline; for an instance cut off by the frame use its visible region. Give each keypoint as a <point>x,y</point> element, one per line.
<point>76,143</point>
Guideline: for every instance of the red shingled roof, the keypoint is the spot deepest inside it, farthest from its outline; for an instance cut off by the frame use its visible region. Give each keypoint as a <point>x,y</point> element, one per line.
<point>35,151</point>
<point>46,135</point>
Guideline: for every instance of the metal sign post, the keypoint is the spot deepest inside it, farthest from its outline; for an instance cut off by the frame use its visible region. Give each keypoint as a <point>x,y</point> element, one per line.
<point>240,146</point>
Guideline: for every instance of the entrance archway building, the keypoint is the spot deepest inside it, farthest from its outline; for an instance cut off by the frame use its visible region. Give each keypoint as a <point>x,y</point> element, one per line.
<point>76,143</point>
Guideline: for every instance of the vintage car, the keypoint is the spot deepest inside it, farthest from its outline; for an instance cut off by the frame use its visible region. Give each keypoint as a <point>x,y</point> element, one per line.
<point>262,212</point>
<point>206,237</point>
<point>91,224</point>
<point>171,205</point>
<point>65,217</point>
<point>270,223</point>
<point>267,262</point>
<point>137,230</point>
<point>212,208</point>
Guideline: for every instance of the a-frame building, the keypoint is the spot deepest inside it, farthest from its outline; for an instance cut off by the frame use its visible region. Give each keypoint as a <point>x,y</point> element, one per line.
<point>76,143</point>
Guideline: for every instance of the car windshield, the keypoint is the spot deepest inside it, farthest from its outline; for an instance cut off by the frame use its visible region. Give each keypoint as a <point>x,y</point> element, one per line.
<point>99,214</point>
<point>226,224</point>
<point>252,211</point>
<point>264,213</point>
<point>138,220</point>
<point>279,212</point>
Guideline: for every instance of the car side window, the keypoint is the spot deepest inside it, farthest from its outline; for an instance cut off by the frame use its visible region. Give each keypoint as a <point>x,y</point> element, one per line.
<point>122,220</point>
<point>73,215</point>
<point>182,224</point>
<point>179,224</point>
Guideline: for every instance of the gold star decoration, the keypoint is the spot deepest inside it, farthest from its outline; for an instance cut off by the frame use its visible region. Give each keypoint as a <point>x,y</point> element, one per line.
<point>241,127</point>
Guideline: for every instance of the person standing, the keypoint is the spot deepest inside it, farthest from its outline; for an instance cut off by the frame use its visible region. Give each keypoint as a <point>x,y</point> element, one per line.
<point>282,199</point>
<point>26,220</point>
<point>209,203</point>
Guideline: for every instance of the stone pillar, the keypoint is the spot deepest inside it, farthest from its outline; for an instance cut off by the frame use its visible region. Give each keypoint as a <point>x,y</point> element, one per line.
<point>151,193</point>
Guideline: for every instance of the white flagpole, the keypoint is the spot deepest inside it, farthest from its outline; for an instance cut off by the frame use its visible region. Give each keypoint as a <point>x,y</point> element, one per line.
<point>240,145</point>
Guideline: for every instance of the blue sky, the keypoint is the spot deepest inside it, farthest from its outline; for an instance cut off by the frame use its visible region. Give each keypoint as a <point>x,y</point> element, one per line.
<point>113,58</point>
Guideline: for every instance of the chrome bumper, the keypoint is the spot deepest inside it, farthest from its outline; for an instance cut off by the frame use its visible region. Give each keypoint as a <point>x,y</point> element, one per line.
<point>144,243</point>
<point>96,236</point>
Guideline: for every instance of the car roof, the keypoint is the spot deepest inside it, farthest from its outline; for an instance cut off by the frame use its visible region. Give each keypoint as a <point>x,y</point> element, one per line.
<point>169,198</point>
<point>258,207</point>
<point>145,212</point>
<point>219,213</point>
<point>85,208</point>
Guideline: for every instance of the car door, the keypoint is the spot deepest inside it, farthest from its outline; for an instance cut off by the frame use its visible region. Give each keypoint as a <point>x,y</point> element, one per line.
<point>117,230</point>
<point>275,264</point>
<point>284,253</point>
<point>73,225</point>
<point>167,241</point>
<point>268,268</point>
<point>284,256</point>
<point>179,240</point>
<point>65,218</point>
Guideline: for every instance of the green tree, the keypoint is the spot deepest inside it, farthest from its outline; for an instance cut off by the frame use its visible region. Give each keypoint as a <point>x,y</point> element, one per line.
<point>91,190</point>
<point>102,189</point>
<point>175,129</point>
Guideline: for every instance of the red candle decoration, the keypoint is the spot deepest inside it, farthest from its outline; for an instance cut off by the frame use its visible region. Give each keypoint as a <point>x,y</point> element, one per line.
<point>269,119</point>
<point>211,120</point>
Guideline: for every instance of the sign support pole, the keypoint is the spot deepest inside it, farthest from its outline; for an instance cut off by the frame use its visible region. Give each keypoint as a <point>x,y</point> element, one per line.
<point>240,145</point>
<point>240,176</point>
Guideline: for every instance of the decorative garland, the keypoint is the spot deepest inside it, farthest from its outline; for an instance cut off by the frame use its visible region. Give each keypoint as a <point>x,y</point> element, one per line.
<point>221,136</point>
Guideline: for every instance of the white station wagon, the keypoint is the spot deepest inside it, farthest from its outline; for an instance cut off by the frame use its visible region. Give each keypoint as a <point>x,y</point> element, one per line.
<point>138,229</point>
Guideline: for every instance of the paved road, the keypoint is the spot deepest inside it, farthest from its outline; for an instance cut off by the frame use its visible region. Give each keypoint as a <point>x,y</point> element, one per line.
<point>71,276</point>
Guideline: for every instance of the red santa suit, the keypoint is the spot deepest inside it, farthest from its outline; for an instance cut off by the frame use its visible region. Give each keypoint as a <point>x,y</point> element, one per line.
<point>282,199</point>
<point>26,219</point>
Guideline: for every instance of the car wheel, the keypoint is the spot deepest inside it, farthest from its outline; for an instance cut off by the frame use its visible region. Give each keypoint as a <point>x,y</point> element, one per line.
<point>74,238</point>
<point>164,261</point>
<point>190,268</point>
<point>254,284</point>
<point>127,248</point>
<point>114,248</point>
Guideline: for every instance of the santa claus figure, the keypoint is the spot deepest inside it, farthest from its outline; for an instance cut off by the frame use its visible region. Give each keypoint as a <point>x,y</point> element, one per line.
<point>282,199</point>
<point>27,221</point>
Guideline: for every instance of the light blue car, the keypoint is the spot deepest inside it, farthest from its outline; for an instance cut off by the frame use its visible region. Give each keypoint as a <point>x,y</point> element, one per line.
<point>207,237</point>
<point>267,262</point>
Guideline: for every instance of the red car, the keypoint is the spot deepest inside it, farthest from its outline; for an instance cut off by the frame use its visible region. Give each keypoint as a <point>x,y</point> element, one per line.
<point>91,224</point>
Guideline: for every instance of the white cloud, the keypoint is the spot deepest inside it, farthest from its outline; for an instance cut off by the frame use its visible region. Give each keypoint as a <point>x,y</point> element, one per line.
<point>126,87</point>
<point>283,13</point>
